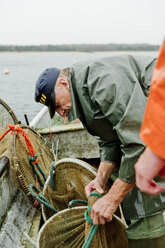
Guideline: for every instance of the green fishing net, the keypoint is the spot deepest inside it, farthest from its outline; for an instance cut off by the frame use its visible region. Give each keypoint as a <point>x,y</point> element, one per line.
<point>6,115</point>
<point>22,171</point>
<point>69,229</point>
<point>66,182</point>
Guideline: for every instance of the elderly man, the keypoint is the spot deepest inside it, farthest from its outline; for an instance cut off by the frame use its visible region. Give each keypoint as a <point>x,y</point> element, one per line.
<point>109,96</point>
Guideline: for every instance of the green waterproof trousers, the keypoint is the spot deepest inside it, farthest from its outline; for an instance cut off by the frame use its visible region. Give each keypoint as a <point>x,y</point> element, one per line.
<point>147,232</point>
<point>147,243</point>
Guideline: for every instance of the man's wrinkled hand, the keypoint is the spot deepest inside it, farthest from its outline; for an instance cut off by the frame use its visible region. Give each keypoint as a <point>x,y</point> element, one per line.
<point>103,210</point>
<point>99,183</point>
<point>95,184</point>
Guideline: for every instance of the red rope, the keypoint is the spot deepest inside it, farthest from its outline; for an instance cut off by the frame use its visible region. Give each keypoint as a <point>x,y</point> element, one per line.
<point>76,121</point>
<point>3,135</point>
<point>65,120</point>
<point>25,136</point>
<point>18,129</point>
<point>50,134</point>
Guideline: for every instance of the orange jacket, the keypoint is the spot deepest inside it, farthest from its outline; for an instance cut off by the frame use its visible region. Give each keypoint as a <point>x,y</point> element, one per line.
<point>153,126</point>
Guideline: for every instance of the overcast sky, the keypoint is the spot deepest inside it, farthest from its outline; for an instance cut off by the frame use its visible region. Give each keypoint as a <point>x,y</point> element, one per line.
<point>26,22</point>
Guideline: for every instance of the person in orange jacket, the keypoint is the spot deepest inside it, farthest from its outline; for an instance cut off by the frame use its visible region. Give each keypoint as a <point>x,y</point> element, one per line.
<point>152,161</point>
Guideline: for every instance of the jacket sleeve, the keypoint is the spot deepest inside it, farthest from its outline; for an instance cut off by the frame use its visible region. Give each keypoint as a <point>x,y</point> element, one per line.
<point>153,127</point>
<point>124,110</point>
<point>109,151</point>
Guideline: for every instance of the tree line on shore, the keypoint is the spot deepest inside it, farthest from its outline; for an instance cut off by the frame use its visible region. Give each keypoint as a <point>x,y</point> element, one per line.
<point>79,47</point>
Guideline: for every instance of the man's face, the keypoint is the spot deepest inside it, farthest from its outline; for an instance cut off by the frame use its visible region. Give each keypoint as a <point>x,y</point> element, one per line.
<point>63,99</point>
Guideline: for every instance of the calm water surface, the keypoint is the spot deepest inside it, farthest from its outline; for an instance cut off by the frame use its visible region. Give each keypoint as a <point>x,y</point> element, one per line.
<point>17,88</point>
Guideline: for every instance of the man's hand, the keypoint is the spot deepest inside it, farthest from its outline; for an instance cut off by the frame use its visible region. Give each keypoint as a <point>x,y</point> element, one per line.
<point>104,172</point>
<point>95,184</point>
<point>147,167</point>
<point>104,208</point>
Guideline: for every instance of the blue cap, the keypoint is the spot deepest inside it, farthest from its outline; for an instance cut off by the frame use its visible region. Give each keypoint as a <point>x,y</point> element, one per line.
<point>44,91</point>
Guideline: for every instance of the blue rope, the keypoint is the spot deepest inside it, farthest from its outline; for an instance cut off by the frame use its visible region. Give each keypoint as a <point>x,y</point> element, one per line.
<point>31,160</point>
<point>51,181</point>
<point>40,198</point>
<point>90,236</point>
<point>94,227</point>
<point>71,203</point>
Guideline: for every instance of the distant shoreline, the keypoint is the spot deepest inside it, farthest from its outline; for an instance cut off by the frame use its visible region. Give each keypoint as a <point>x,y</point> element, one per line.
<point>3,52</point>
<point>104,53</point>
<point>80,48</point>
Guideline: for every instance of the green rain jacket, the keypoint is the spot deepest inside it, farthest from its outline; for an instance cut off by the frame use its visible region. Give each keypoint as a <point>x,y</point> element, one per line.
<point>109,97</point>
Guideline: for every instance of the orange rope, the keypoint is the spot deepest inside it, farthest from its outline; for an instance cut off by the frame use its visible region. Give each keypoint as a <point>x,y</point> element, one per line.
<point>76,121</point>
<point>36,183</point>
<point>3,135</point>
<point>65,120</point>
<point>25,136</point>
<point>22,143</point>
<point>36,203</point>
<point>18,129</point>
<point>50,134</point>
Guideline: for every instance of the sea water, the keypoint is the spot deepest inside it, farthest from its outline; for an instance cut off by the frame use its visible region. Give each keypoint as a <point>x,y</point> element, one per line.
<point>17,88</point>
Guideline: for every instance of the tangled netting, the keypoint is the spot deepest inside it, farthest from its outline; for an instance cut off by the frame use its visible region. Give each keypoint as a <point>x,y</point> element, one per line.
<point>67,180</point>
<point>70,226</point>
<point>30,157</point>
<point>58,187</point>
<point>69,229</point>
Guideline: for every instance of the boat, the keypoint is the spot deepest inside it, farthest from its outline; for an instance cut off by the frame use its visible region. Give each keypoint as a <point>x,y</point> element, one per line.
<point>70,140</point>
<point>19,220</point>
<point>67,147</point>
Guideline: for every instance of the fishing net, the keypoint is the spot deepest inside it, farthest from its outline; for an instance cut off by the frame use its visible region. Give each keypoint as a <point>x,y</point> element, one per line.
<point>6,115</point>
<point>6,145</point>
<point>69,229</point>
<point>30,158</point>
<point>67,180</point>
<point>110,235</point>
<point>64,229</point>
